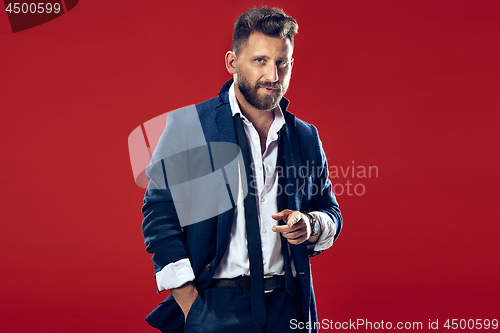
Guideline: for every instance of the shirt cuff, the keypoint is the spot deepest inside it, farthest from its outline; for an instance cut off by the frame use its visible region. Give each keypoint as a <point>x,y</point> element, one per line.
<point>328,229</point>
<point>174,275</point>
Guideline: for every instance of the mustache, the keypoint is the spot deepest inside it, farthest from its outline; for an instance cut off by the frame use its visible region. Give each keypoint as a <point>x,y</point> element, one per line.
<point>268,84</point>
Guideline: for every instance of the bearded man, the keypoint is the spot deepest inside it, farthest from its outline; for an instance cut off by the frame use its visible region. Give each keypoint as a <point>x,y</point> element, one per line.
<point>244,268</point>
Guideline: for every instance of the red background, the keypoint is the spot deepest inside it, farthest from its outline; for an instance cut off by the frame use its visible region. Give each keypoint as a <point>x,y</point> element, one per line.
<point>411,87</point>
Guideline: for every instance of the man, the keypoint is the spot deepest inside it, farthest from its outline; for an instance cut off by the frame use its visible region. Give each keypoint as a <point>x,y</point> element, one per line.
<point>244,268</point>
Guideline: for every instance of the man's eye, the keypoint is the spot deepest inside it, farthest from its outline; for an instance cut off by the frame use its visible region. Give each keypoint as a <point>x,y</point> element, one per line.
<point>282,63</point>
<point>259,60</point>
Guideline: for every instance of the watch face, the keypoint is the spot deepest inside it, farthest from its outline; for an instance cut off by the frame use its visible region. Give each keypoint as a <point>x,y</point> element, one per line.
<point>314,226</point>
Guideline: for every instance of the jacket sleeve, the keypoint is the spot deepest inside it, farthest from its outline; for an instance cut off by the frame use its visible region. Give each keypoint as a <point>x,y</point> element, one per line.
<point>161,227</point>
<point>322,198</point>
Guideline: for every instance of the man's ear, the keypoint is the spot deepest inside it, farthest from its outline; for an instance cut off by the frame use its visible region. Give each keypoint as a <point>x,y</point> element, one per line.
<point>231,62</point>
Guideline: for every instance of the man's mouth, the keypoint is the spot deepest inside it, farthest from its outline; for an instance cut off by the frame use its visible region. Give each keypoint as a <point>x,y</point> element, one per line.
<point>269,90</point>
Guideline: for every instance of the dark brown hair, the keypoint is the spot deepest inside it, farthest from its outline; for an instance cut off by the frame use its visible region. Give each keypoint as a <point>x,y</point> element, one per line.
<point>270,21</point>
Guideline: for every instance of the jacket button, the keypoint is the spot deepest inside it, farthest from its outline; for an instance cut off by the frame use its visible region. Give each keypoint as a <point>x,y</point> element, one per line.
<point>208,268</point>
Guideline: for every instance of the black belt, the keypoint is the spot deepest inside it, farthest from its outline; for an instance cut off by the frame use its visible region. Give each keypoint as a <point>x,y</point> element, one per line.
<point>270,283</point>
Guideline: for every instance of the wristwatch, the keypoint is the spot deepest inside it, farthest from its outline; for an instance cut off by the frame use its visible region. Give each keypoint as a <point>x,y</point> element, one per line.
<point>314,225</point>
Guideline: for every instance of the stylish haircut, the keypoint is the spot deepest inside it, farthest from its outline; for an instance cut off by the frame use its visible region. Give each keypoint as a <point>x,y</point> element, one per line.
<point>272,22</point>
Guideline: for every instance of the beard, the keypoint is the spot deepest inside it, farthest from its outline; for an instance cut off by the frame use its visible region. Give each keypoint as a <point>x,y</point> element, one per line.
<point>251,93</point>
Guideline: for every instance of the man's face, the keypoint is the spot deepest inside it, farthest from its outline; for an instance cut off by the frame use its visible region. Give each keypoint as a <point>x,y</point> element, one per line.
<point>263,70</point>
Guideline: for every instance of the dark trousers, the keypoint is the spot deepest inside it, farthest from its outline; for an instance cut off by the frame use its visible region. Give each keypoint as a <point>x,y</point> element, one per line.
<point>229,311</point>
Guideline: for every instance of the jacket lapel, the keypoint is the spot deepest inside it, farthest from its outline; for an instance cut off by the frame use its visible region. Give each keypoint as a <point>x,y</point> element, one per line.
<point>291,155</point>
<point>295,183</point>
<point>225,133</point>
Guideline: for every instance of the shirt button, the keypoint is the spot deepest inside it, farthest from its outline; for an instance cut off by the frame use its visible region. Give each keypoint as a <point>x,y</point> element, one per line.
<point>264,262</point>
<point>262,199</point>
<point>260,168</point>
<point>264,230</point>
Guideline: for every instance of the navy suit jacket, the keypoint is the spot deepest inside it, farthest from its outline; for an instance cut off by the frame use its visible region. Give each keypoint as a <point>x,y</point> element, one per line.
<point>204,243</point>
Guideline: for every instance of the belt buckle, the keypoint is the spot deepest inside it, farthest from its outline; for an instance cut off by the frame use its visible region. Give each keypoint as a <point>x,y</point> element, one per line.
<point>270,290</point>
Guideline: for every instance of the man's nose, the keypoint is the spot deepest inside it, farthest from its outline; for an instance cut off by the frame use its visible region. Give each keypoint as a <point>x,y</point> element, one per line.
<point>272,72</point>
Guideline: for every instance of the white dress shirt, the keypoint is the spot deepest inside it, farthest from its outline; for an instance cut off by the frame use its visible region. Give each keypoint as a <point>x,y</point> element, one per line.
<point>235,260</point>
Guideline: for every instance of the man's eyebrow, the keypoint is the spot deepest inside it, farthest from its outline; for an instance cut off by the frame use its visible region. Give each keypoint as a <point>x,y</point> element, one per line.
<point>284,57</point>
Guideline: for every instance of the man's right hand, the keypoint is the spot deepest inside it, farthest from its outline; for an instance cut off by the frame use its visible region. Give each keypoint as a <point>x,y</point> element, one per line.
<point>185,296</point>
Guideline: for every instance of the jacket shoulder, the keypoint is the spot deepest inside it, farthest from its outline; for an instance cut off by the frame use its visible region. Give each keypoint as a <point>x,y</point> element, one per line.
<point>305,129</point>
<point>209,105</point>
<point>307,133</point>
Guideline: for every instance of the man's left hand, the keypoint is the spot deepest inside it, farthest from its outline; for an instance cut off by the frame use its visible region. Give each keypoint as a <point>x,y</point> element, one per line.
<point>297,229</point>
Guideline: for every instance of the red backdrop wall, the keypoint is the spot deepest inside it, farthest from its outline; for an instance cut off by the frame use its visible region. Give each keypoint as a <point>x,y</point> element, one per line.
<point>409,88</point>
